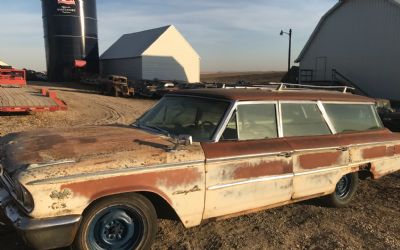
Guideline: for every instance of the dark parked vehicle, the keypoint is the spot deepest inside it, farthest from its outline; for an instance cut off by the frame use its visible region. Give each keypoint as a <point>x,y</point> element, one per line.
<point>116,86</point>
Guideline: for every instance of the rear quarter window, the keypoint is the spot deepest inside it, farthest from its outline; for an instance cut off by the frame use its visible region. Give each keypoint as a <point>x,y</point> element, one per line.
<point>353,117</point>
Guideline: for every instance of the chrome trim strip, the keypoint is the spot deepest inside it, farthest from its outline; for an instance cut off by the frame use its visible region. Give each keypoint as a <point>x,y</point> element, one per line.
<point>268,178</point>
<point>321,170</point>
<point>41,165</point>
<point>116,172</point>
<point>244,157</point>
<point>383,143</point>
<point>316,149</point>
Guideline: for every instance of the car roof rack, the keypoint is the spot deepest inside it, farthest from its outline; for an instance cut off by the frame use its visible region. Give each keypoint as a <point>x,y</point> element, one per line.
<point>291,86</point>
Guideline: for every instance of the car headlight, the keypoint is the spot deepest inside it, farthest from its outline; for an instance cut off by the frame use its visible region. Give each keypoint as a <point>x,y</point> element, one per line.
<point>23,197</point>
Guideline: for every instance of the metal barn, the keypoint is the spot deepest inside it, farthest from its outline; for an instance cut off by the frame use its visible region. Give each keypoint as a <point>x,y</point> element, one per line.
<point>356,42</point>
<point>161,53</point>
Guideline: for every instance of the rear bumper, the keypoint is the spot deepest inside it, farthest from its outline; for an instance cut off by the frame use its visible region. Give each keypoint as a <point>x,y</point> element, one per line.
<point>39,233</point>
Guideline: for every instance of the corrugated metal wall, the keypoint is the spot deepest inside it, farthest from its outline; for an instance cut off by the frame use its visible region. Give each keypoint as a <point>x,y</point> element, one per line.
<point>130,67</point>
<point>361,40</point>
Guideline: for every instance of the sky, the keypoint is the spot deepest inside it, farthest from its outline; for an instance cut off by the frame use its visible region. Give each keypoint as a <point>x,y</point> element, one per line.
<point>229,35</point>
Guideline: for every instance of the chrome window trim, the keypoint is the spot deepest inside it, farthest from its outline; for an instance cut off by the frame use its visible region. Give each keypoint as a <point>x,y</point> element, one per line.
<point>280,121</point>
<point>376,115</point>
<point>344,102</point>
<point>326,117</point>
<point>224,123</point>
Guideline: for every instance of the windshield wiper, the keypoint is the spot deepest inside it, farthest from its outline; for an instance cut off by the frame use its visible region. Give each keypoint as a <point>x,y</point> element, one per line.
<point>161,130</point>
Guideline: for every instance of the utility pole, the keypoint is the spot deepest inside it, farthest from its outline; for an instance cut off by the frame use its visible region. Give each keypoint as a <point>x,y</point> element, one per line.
<point>290,46</point>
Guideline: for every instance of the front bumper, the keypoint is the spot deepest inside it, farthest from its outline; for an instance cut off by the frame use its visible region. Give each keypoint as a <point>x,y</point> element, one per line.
<point>39,233</point>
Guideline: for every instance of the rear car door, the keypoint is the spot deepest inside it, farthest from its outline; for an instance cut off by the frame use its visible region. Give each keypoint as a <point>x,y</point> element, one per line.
<point>251,167</point>
<point>318,154</point>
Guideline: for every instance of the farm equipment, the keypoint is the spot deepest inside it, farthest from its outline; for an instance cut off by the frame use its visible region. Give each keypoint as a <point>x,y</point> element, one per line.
<point>16,97</point>
<point>116,86</point>
<point>12,77</point>
<point>22,100</point>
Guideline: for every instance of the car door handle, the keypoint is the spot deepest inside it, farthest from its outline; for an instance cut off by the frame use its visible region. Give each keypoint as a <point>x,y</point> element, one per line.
<point>343,149</point>
<point>285,154</point>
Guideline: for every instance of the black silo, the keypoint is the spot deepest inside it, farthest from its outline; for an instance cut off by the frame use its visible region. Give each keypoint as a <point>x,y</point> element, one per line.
<point>70,33</point>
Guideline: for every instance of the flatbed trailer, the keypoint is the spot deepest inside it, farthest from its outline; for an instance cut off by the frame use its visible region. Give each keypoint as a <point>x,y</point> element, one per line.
<point>27,100</point>
<point>12,77</point>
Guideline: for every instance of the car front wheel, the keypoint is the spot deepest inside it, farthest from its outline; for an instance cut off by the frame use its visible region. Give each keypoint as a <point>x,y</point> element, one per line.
<point>121,222</point>
<point>344,191</point>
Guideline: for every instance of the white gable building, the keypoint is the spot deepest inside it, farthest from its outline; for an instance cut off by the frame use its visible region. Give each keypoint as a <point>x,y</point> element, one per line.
<point>161,53</point>
<point>357,41</point>
<point>3,63</point>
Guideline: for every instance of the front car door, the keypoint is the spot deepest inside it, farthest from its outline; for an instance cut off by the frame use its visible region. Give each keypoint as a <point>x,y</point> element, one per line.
<point>250,167</point>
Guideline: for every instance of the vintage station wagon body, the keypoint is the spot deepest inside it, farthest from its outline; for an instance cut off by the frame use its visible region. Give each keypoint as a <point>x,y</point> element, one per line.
<point>253,149</point>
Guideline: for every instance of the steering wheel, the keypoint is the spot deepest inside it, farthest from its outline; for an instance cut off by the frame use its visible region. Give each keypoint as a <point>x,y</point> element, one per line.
<point>206,126</point>
<point>206,123</point>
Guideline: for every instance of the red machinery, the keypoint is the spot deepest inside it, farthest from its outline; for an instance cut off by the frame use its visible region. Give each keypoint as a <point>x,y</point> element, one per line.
<point>12,77</point>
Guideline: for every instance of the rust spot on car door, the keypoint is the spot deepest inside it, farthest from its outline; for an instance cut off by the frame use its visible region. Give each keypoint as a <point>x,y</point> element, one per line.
<point>248,170</point>
<point>317,160</point>
<point>375,152</point>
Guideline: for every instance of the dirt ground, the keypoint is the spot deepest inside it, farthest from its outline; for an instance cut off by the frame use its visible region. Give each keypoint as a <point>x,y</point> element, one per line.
<point>371,222</point>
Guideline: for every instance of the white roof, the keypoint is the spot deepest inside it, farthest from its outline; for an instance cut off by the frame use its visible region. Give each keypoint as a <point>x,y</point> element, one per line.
<point>134,44</point>
<point>3,63</point>
<point>321,23</point>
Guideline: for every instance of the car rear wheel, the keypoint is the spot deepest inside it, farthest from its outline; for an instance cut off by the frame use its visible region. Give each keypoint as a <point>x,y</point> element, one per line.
<point>344,192</point>
<point>121,222</point>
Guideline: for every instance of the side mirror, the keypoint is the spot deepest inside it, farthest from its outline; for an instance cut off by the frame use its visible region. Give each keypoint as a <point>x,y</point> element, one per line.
<point>181,140</point>
<point>185,140</point>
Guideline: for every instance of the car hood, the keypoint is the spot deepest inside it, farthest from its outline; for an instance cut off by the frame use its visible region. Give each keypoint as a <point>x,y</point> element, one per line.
<point>60,152</point>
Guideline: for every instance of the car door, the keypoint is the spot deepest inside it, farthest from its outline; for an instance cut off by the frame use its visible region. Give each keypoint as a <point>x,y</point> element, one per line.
<point>318,154</point>
<point>251,167</point>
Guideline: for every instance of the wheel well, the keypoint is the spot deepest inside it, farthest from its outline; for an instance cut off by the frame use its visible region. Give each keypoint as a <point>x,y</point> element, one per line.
<point>162,207</point>
<point>365,172</point>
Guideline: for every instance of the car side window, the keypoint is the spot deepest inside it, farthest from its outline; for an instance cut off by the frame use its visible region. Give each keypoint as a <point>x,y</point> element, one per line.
<point>230,132</point>
<point>252,122</point>
<point>353,117</point>
<point>303,120</point>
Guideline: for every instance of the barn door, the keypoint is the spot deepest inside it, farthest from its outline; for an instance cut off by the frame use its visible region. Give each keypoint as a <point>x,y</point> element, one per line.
<point>320,68</point>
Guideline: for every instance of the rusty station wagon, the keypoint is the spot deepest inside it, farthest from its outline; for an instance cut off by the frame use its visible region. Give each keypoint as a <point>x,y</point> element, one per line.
<point>202,154</point>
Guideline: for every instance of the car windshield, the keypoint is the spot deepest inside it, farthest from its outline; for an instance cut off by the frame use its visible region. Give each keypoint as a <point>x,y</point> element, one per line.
<point>178,115</point>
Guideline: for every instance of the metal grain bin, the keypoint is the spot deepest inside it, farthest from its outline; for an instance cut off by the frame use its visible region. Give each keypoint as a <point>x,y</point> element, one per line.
<point>71,40</point>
